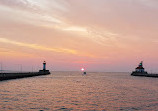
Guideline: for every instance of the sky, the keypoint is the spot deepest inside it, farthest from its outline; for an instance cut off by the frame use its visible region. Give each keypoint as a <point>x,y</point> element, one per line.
<point>99,35</point>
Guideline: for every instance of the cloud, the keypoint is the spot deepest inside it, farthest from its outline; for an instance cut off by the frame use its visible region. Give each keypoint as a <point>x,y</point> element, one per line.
<point>102,37</point>
<point>85,28</point>
<point>104,21</point>
<point>30,11</point>
<point>39,47</point>
<point>149,3</point>
<point>35,46</point>
<point>22,4</point>
<point>80,29</point>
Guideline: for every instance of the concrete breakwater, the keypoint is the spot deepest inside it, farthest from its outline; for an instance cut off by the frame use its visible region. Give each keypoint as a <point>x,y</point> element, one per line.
<point>144,74</point>
<point>140,71</point>
<point>6,76</point>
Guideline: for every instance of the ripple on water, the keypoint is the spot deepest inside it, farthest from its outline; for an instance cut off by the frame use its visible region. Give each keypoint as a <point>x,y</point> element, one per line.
<point>39,109</point>
<point>66,91</point>
<point>65,109</point>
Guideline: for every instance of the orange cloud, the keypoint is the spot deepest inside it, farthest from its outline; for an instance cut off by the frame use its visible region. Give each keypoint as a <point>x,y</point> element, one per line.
<point>39,47</point>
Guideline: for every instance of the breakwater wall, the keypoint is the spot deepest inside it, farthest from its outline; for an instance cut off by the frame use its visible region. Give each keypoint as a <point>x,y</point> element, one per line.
<point>6,76</point>
<point>144,74</point>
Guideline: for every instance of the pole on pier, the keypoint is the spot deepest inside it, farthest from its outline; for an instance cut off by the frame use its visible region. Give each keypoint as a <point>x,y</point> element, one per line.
<point>1,67</point>
<point>21,67</point>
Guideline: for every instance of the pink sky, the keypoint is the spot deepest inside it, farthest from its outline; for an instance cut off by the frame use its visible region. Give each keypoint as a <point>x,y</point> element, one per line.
<point>101,35</point>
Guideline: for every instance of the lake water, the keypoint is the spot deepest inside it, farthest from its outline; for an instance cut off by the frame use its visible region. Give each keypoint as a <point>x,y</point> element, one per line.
<point>66,91</point>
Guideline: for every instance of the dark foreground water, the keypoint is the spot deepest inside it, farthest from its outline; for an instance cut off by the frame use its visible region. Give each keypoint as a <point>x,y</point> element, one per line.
<point>65,91</point>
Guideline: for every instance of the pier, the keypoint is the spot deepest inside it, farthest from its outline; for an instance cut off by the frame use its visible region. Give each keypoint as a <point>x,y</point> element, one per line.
<point>6,76</point>
<point>140,71</point>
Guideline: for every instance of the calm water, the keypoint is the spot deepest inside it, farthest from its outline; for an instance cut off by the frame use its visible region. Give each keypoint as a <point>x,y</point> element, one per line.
<point>65,91</point>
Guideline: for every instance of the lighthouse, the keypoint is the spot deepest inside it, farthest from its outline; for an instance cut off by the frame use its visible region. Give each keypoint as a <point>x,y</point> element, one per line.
<point>140,68</point>
<point>44,71</point>
<point>44,65</point>
<point>140,71</point>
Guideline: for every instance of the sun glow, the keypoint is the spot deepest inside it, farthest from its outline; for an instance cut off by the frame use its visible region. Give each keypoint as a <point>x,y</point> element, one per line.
<point>82,69</point>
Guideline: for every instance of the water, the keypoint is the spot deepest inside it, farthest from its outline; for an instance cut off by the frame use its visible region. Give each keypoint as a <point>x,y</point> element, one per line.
<point>66,91</point>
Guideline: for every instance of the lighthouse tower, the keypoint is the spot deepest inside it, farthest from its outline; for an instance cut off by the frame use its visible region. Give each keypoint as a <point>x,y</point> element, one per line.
<point>44,71</point>
<point>140,68</point>
<point>44,65</point>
